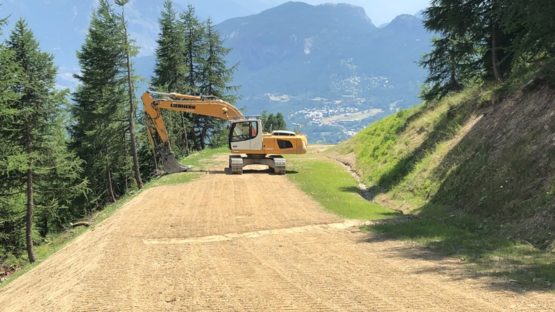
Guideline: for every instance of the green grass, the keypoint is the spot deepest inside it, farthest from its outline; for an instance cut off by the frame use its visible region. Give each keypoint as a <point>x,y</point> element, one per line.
<point>334,188</point>
<point>57,241</point>
<point>476,242</point>
<point>201,159</point>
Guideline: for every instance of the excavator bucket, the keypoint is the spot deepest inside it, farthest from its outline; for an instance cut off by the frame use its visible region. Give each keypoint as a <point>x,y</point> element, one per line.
<point>169,163</point>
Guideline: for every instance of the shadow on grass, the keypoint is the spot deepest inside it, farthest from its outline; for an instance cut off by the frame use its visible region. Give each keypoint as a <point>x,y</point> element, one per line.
<point>514,266</point>
<point>366,194</point>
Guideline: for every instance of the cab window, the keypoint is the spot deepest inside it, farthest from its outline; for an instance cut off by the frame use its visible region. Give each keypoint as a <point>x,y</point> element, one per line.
<point>244,130</point>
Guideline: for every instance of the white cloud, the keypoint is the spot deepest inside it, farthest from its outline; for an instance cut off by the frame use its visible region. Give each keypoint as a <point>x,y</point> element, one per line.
<point>284,98</point>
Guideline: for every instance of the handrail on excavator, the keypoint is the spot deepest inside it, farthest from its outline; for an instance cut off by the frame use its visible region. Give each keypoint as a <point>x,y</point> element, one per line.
<point>177,96</point>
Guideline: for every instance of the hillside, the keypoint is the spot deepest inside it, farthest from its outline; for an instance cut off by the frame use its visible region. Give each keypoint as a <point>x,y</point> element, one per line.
<point>494,160</point>
<point>327,67</point>
<point>475,175</point>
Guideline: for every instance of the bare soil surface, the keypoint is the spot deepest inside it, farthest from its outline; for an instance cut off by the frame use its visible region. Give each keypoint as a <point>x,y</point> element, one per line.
<point>247,243</point>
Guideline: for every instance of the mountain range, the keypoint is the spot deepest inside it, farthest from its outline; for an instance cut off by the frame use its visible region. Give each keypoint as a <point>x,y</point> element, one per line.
<point>328,68</point>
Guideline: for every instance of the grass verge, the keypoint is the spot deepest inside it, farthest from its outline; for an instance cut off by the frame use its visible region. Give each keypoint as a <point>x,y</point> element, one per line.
<point>57,241</point>
<point>334,188</point>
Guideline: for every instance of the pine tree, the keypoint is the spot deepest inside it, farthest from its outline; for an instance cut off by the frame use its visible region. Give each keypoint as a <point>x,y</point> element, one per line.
<point>40,160</point>
<point>99,132</point>
<point>130,50</point>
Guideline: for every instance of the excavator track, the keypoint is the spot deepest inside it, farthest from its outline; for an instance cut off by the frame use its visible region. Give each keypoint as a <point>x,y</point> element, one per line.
<point>236,164</point>
<point>277,164</point>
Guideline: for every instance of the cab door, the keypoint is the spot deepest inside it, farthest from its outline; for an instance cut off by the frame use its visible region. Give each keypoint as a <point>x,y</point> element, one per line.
<point>245,136</point>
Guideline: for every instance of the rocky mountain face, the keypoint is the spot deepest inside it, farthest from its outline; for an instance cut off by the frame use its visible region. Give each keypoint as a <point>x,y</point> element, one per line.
<point>328,68</point>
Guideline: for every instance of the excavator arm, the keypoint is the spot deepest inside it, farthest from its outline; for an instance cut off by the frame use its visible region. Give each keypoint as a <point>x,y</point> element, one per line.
<point>154,102</point>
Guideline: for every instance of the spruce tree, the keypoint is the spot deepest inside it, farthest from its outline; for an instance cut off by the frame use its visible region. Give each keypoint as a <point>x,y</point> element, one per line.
<point>194,35</point>
<point>190,59</point>
<point>170,75</point>
<point>451,65</point>
<point>533,26</point>
<point>215,79</point>
<point>11,191</point>
<point>171,69</point>
<point>40,164</point>
<point>472,43</point>
<point>280,122</point>
<point>195,48</point>
<point>100,128</point>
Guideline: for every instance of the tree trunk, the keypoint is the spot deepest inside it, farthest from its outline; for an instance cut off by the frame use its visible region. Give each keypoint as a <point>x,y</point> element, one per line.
<point>185,137</point>
<point>191,66</point>
<point>110,187</point>
<point>494,58</point>
<point>136,168</point>
<point>203,133</point>
<point>30,202</point>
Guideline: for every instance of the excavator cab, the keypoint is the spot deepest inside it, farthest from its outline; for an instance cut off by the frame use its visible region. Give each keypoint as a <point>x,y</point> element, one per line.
<point>245,135</point>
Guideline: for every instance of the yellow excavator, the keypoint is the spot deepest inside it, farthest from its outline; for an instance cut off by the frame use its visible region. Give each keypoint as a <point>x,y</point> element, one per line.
<point>247,142</point>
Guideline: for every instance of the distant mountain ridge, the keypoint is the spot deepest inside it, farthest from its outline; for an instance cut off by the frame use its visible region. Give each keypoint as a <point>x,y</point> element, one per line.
<point>326,66</point>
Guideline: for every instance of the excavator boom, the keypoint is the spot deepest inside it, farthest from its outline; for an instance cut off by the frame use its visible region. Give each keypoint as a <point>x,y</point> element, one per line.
<point>198,105</point>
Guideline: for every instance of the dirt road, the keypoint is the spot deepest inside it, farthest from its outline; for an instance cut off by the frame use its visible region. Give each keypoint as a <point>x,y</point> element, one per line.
<point>246,243</point>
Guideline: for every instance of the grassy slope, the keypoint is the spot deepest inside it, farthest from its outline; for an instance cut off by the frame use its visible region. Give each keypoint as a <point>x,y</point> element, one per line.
<point>55,242</point>
<point>334,188</point>
<point>480,177</point>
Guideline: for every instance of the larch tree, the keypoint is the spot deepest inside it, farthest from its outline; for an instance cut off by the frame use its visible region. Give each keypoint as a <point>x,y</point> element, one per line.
<point>101,123</point>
